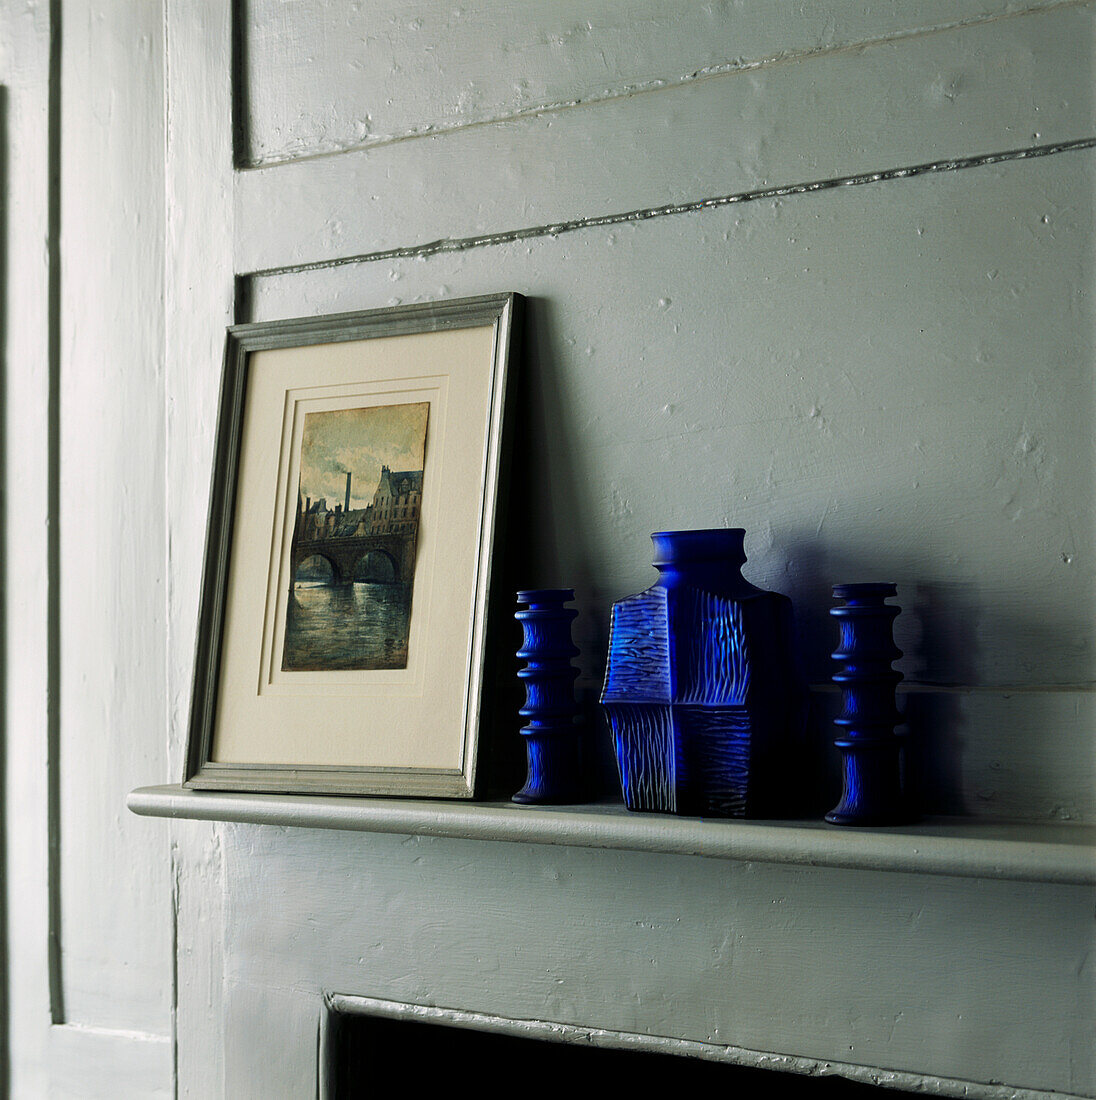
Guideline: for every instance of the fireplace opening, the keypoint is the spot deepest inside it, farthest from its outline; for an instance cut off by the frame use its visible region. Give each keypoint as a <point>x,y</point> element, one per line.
<point>366,1052</point>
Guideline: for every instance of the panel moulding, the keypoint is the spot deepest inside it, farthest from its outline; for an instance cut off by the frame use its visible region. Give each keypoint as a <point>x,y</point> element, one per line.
<point>556,229</point>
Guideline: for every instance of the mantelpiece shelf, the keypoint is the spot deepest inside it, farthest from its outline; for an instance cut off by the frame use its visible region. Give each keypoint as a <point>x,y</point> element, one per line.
<point>1052,853</point>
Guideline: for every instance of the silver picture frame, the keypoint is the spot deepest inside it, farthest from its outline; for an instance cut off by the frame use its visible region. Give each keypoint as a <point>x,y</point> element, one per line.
<point>261,723</point>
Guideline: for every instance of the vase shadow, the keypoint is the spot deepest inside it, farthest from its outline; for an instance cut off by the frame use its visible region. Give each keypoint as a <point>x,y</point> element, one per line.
<point>937,630</point>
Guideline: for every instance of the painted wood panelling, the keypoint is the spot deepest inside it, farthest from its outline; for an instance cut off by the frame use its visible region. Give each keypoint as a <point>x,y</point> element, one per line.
<point>199,302</point>
<point>892,379</point>
<point>1004,85</point>
<point>91,1063</point>
<point>892,971</point>
<point>115,886</point>
<point>852,376</point>
<point>199,307</point>
<point>325,78</point>
<point>88,900</point>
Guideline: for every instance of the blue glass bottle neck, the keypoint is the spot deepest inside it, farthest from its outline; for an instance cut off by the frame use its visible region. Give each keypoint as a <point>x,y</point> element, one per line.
<point>720,577</point>
<point>709,560</point>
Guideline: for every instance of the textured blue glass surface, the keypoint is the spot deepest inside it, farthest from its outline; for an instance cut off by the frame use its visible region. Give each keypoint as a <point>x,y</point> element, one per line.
<point>551,736</point>
<point>700,695</point>
<point>871,765</point>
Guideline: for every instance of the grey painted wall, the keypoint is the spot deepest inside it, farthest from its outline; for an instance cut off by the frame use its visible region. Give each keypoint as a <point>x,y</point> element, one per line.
<point>889,377</point>
<point>853,374</point>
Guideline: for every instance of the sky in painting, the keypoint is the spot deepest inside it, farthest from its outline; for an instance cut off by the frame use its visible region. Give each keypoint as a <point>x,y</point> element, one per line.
<point>359,441</point>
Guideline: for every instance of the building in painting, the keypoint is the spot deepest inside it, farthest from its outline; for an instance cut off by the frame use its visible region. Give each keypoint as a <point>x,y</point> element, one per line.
<point>396,503</point>
<point>394,510</point>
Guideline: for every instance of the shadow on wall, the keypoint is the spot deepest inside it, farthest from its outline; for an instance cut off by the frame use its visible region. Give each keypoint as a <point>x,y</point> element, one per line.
<point>938,631</point>
<point>938,628</point>
<point>540,514</point>
<point>948,617</point>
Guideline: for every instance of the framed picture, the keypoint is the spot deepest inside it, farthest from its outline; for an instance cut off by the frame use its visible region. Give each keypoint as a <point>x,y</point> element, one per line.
<point>348,556</point>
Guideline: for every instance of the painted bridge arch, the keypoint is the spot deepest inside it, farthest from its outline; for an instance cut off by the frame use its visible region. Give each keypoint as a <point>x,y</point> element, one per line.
<point>377,560</point>
<point>344,554</point>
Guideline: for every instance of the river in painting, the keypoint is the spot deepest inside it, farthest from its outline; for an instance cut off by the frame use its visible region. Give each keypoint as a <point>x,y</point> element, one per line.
<point>362,625</point>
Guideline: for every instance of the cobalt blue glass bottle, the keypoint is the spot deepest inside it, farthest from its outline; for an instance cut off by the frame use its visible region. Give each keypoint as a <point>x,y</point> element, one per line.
<point>701,694</point>
<point>871,763</point>
<point>550,732</point>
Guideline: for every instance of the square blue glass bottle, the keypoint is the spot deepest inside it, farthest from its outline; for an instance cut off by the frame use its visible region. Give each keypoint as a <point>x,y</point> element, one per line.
<point>701,693</point>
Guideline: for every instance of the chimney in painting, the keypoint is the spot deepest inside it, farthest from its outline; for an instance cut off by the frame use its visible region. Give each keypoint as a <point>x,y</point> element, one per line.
<point>347,506</point>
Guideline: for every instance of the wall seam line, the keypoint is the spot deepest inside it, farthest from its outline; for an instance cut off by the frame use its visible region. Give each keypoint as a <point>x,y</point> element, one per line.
<point>612,95</point>
<point>53,519</point>
<point>7,188</point>
<point>555,229</point>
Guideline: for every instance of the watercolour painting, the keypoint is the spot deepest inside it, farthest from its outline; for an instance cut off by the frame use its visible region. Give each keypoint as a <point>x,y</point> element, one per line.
<point>353,556</point>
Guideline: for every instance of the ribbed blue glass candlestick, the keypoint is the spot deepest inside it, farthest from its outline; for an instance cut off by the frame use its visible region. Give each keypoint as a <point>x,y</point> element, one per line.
<point>871,763</point>
<point>551,735</point>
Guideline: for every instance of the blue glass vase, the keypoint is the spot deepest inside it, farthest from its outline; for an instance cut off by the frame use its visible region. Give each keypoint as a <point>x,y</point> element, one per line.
<point>871,752</point>
<point>550,732</point>
<point>701,693</point>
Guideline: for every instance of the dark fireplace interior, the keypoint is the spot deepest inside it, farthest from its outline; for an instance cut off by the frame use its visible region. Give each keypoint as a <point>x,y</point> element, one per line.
<point>374,1052</point>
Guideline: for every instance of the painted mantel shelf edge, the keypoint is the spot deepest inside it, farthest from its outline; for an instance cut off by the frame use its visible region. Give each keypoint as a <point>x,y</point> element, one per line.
<point>1018,851</point>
